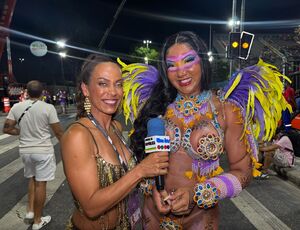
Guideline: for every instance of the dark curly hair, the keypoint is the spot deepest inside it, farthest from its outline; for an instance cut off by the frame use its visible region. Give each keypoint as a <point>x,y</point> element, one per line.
<point>84,77</point>
<point>164,93</point>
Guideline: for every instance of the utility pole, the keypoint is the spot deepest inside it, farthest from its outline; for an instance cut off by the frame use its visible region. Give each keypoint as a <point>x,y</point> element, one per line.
<point>242,15</point>
<point>233,29</point>
<point>242,22</point>
<point>210,39</point>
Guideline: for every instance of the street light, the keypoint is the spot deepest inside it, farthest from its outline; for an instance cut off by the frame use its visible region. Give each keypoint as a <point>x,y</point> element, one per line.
<point>61,43</point>
<point>146,60</point>
<point>147,42</point>
<point>62,54</point>
<point>234,23</point>
<point>210,56</point>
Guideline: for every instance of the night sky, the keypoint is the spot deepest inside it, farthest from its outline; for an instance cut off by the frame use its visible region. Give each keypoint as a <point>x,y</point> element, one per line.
<point>83,23</point>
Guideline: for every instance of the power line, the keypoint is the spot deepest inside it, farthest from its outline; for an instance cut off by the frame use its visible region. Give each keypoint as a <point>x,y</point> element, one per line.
<point>111,25</point>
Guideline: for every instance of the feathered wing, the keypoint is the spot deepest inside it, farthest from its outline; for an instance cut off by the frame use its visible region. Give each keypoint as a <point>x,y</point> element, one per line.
<point>257,90</point>
<point>139,80</point>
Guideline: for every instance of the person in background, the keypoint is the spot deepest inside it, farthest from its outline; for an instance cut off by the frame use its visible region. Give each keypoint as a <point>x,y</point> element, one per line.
<point>23,95</point>
<point>201,127</point>
<point>62,100</point>
<point>46,96</point>
<point>289,95</point>
<point>33,121</point>
<point>297,99</point>
<point>280,152</point>
<point>100,168</point>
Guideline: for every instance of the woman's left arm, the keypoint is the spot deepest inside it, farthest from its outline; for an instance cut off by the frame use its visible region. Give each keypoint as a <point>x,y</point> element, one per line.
<point>238,148</point>
<point>236,145</point>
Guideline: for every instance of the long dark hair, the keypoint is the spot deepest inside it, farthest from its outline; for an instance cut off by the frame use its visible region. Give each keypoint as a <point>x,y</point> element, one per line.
<point>84,77</point>
<point>164,93</point>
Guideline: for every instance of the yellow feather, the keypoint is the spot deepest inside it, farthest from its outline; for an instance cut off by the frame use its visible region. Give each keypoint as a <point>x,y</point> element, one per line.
<point>201,179</point>
<point>188,174</point>
<point>121,63</point>
<point>256,173</point>
<point>234,84</point>
<point>217,171</point>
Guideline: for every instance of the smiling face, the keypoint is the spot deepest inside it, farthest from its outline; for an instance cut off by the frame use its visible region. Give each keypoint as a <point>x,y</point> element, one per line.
<point>183,68</point>
<point>104,89</point>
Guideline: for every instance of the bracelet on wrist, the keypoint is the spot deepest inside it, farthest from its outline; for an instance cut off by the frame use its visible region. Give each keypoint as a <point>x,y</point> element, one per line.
<point>206,195</point>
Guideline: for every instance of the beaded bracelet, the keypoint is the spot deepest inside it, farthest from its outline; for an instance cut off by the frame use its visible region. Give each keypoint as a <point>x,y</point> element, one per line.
<point>223,186</point>
<point>228,185</point>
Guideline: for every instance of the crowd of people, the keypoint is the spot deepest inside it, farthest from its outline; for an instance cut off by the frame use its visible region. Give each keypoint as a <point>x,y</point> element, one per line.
<point>106,175</point>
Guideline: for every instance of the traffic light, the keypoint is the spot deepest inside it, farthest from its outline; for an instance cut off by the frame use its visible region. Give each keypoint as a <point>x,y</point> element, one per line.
<point>245,44</point>
<point>239,45</point>
<point>234,45</point>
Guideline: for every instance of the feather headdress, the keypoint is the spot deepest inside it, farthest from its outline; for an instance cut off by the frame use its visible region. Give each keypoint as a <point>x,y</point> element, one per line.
<point>258,91</point>
<point>139,80</point>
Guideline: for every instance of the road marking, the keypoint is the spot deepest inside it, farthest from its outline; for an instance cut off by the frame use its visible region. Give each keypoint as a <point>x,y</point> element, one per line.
<point>14,218</point>
<point>72,115</point>
<point>9,146</point>
<point>4,136</point>
<point>14,166</point>
<point>256,213</point>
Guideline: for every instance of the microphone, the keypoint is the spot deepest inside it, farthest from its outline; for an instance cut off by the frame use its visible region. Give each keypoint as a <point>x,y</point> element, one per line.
<point>157,141</point>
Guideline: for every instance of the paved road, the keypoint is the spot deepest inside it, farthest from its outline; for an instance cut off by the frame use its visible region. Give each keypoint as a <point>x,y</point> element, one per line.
<point>268,204</point>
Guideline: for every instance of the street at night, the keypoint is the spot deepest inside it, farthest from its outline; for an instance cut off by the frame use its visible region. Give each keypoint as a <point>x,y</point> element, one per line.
<point>220,77</point>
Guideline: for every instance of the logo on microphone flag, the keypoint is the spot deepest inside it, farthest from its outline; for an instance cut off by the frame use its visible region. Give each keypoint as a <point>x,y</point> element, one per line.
<point>157,143</point>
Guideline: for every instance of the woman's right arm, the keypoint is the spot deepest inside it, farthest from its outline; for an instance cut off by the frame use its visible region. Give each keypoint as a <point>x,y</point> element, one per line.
<point>80,168</point>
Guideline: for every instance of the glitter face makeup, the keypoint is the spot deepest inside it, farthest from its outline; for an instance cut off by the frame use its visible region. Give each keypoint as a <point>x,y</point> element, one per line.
<point>188,60</point>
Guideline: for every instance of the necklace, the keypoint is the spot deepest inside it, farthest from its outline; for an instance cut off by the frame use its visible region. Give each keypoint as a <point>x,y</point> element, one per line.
<point>189,109</point>
<point>105,134</point>
<point>188,106</point>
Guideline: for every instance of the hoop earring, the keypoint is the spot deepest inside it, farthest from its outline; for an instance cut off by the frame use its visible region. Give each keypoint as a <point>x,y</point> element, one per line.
<point>87,105</point>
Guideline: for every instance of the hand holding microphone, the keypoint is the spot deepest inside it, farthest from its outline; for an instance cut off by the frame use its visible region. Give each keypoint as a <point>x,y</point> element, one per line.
<point>156,141</point>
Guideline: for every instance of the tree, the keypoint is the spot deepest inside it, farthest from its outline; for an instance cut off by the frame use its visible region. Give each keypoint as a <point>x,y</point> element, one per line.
<point>141,52</point>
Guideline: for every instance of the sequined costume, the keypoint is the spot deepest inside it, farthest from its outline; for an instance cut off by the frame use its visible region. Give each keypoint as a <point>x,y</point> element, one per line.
<point>248,107</point>
<point>116,217</point>
<point>197,142</point>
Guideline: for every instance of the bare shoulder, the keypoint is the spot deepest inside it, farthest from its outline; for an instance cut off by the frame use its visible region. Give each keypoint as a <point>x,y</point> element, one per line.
<point>75,130</point>
<point>216,100</point>
<point>76,138</point>
<point>233,114</point>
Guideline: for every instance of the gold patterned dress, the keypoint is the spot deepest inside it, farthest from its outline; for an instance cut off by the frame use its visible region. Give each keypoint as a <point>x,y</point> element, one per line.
<point>116,217</point>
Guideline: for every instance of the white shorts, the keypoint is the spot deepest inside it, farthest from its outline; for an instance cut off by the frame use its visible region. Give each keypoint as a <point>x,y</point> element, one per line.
<point>40,166</point>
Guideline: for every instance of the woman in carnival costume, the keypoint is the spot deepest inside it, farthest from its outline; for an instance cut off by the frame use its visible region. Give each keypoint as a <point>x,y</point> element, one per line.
<point>202,126</point>
<point>100,168</point>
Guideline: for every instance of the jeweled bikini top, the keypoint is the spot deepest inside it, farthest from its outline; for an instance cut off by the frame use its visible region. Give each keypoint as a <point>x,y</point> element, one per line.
<point>193,114</point>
